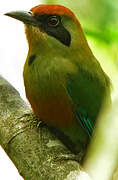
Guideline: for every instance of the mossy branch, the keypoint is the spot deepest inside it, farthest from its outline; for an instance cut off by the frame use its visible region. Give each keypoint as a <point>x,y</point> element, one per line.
<point>38,154</point>
<point>35,151</point>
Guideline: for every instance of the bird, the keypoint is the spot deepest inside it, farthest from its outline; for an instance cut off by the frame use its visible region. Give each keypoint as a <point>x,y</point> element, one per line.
<point>64,82</point>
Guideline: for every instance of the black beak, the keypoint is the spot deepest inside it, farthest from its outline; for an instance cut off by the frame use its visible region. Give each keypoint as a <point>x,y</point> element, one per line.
<point>24,16</point>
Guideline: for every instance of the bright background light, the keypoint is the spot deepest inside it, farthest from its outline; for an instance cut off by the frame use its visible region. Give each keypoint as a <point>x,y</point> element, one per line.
<point>13,52</point>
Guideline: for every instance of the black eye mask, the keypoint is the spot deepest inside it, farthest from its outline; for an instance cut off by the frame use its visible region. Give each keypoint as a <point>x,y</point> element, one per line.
<point>51,24</point>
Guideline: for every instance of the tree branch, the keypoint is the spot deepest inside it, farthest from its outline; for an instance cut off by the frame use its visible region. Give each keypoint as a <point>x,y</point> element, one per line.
<point>33,150</point>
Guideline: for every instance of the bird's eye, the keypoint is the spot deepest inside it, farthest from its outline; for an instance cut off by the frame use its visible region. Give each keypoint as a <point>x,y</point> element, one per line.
<point>53,21</point>
<point>30,12</point>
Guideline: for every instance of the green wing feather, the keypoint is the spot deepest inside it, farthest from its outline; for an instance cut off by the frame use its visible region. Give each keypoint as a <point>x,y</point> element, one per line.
<point>85,93</point>
<point>81,115</point>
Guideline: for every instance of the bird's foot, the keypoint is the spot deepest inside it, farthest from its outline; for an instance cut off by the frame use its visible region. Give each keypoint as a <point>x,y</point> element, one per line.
<point>74,157</point>
<point>31,120</point>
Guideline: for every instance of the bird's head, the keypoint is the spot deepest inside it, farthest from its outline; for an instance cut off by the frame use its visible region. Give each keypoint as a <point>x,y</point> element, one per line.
<point>53,25</point>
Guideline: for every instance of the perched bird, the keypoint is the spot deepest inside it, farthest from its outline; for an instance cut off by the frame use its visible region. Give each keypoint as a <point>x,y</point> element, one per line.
<point>64,83</point>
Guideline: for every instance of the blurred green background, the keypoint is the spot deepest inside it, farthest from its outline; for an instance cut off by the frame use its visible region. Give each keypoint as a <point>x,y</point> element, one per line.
<point>99,19</point>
